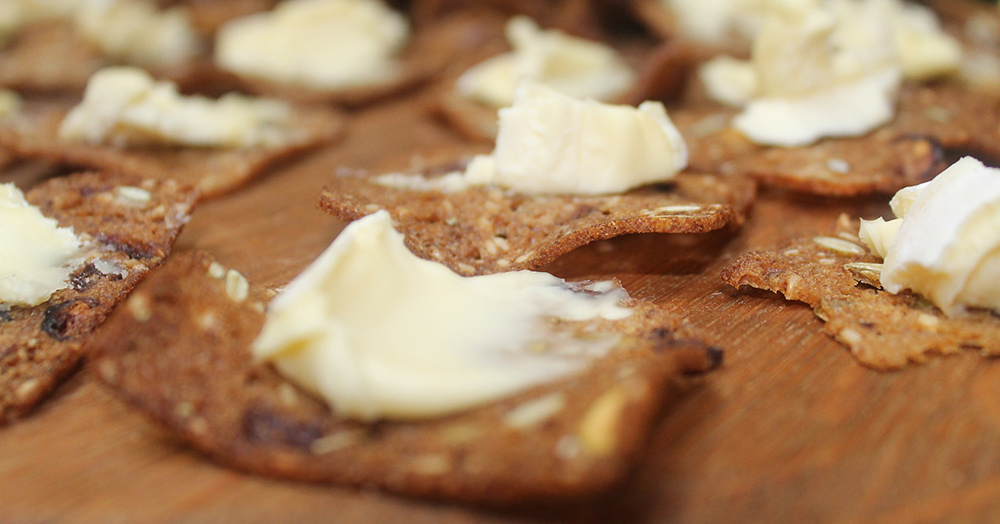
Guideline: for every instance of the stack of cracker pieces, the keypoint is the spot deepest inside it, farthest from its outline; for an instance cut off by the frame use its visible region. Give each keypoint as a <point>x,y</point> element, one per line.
<point>174,340</point>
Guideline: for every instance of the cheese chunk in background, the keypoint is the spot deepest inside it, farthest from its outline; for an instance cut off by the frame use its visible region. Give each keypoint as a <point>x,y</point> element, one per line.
<point>717,21</point>
<point>550,143</point>
<point>573,66</point>
<point>125,106</point>
<point>821,69</point>
<point>945,242</point>
<point>18,14</point>
<point>321,44</point>
<point>381,333</point>
<point>36,255</point>
<point>136,32</point>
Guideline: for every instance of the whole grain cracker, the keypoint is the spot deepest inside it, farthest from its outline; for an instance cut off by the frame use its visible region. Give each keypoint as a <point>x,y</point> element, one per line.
<point>132,230</point>
<point>558,441</point>
<point>33,133</point>
<point>838,277</point>
<point>487,229</point>
<point>930,123</point>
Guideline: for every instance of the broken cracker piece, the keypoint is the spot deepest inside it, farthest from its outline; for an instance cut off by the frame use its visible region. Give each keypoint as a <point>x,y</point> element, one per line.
<point>558,441</point>
<point>486,229</point>
<point>132,223</point>
<point>839,279</point>
<point>33,133</point>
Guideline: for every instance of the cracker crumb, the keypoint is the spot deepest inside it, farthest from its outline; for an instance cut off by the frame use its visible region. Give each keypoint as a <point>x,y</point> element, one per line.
<point>336,441</point>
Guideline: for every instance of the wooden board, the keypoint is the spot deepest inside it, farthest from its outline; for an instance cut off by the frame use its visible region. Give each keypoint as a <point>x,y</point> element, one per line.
<point>790,429</point>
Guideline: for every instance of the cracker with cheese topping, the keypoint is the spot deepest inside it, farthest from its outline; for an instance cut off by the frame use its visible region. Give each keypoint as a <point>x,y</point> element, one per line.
<point>839,278</point>
<point>564,440</point>
<point>931,121</point>
<point>487,229</point>
<point>34,133</point>
<point>131,224</point>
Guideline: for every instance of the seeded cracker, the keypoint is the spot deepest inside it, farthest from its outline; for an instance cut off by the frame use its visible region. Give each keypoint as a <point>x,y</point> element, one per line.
<point>33,133</point>
<point>839,279</point>
<point>558,441</point>
<point>41,345</point>
<point>930,122</point>
<point>487,229</point>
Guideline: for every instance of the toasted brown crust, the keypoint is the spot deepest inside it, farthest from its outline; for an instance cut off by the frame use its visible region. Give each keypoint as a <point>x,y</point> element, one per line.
<point>209,390</point>
<point>931,122</point>
<point>486,229</point>
<point>882,330</point>
<point>40,345</point>
<point>33,133</point>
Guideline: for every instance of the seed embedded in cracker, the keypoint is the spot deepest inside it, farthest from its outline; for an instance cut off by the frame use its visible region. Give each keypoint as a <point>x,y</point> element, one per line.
<point>461,229</point>
<point>33,132</point>
<point>43,344</point>
<point>209,390</point>
<point>883,330</point>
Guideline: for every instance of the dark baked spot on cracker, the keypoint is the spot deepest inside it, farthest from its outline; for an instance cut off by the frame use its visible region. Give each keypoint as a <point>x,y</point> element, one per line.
<point>134,250</point>
<point>59,318</point>
<point>85,277</point>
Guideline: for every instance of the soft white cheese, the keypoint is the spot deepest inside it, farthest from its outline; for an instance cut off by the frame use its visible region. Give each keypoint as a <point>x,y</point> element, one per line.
<point>570,65</point>
<point>17,14</point>
<point>945,244</point>
<point>125,106</point>
<point>381,333</point>
<point>36,255</point>
<point>830,68</point>
<point>323,44</point>
<point>717,21</point>
<point>552,143</point>
<point>136,32</point>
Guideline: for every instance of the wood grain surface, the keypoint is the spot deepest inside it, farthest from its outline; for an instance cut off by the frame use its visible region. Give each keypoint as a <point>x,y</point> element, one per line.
<point>791,428</point>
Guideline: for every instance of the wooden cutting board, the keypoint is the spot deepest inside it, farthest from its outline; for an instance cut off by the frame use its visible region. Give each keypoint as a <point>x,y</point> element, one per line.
<point>791,428</point>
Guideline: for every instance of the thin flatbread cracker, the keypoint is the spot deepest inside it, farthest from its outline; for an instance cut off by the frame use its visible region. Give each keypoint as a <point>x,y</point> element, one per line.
<point>838,277</point>
<point>558,441</point>
<point>931,122</point>
<point>33,133</point>
<point>487,229</point>
<point>41,345</point>
<point>48,57</point>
